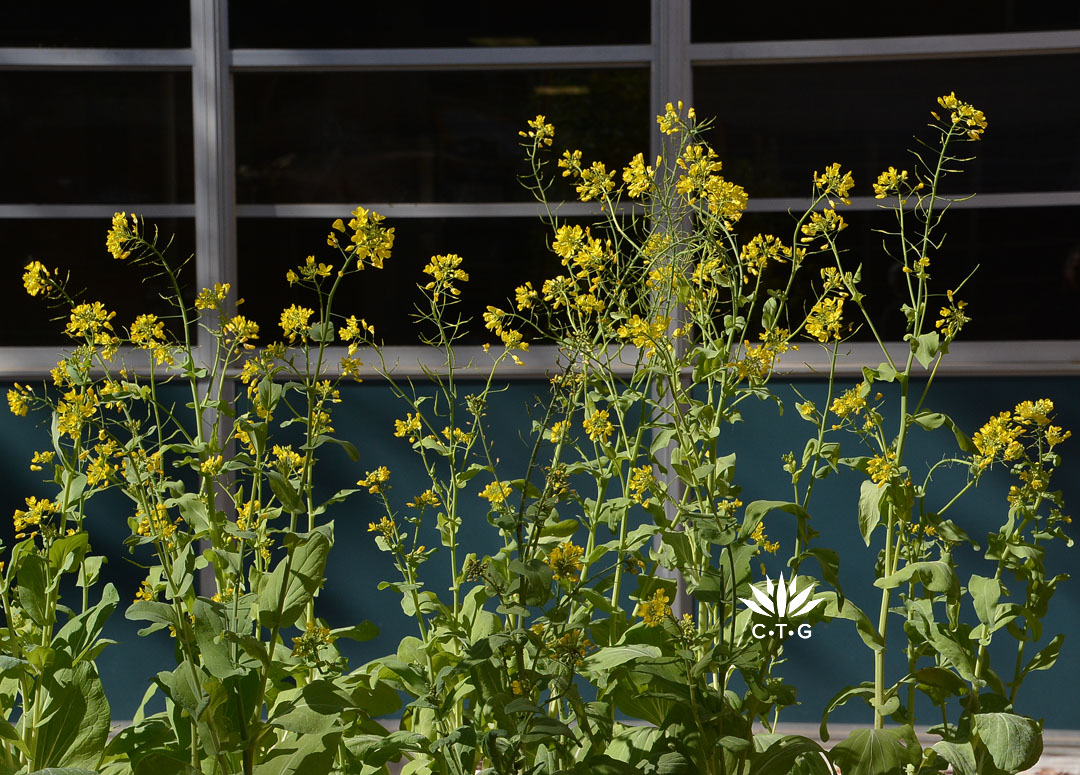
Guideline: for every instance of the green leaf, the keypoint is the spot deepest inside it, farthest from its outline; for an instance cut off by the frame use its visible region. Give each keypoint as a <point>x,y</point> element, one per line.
<point>852,612</point>
<point>870,499</point>
<point>960,755</point>
<point>610,657</point>
<point>310,755</point>
<point>1046,657</point>
<point>305,576</point>
<point>348,446</point>
<point>935,576</point>
<point>1013,742</point>
<point>931,420</point>
<point>159,764</point>
<point>926,347</point>
<point>74,724</point>
<point>314,709</point>
<point>32,581</point>
<point>80,633</point>
<point>65,553</point>
<point>779,758</point>
<point>285,492</point>
<point>64,771</point>
<point>209,626</point>
<point>877,752</point>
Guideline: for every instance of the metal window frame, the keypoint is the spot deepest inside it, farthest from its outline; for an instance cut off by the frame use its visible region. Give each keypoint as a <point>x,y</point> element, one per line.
<point>671,58</point>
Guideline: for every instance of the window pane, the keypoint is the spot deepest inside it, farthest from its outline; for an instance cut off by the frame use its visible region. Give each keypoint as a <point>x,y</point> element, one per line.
<point>498,253</point>
<point>1027,285</point>
<point>777,124</point>
<point>423,136</point>
<point>94,138</point>
<point>120,24</point>
<point>78,247</point>
<point>715,21</point>
<point>342,24</point>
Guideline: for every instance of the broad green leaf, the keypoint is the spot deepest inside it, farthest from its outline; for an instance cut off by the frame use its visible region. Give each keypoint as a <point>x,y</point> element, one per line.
<point>159,764</point>
<point>305,576</point>
<point>612,656</point>
<point>935,576</point>
<point>852,612</point>
<point>960,755</point>
<point>870,498</point>
<point>926,347</point>
<point>1047,656</point>
<point>214,649</point>
<point>74,717</point>
<point>80,633</point>
<point>65,553</point>
<point>314,709</point>
<point>779,758</point>
<point>32,581</point>
<point>877,752</point>
<point>1014,742</point>
<point>310,755</point>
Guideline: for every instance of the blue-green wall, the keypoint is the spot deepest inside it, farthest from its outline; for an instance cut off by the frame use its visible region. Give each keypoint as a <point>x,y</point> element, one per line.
<point>832,658</point>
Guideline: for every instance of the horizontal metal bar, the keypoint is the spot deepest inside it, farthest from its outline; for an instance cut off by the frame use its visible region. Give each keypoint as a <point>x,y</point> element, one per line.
<point>441,58</point>
<point>418,210</point>
<point>58,212</point>
<point>965,359</point>
<point>883,49</point>
<point>95,58</point>
<point>977,202</point>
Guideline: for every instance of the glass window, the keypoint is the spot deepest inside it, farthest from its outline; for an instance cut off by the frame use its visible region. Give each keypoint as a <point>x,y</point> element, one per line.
<point>423,136</point>
<point>722,22</point>
<point>89,138</point>
<point>78,247</point>
<point>1027,285</point>
<point>120,24</point>
<point>777,124</point>
<point>498,253</point>
<point>343,24</point>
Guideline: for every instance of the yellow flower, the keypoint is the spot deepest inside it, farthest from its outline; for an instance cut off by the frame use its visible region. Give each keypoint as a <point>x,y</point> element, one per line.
<point>496,492</point>
<point>1054,436</point>
<point>146,592</point>
<point>375,480</point>
<point>850,402</point>
<point>36,279</point>
<point>757,364</point>
<point>597,426</point>
<point>596,182</point>
<point>120,234</point>
<point>558,430</point>
<point>670,122</point>
<point>91,321</point>
<point>384,526</point>
<point>833,182</point>
<point>654,610</point>
<point>1038,412</point>
<point>641,483</point>
<point>525,296</point>
<point>41,458</point>
<point>761,250</point>
<point>286,460</point>
<point>565,561</point>
<point>964,115</point>
<point>882,468</point>
<point>889,181</point>
<point>212,465</point>
<point>37,510</point>
<point>541,132</point>
<point>638,177</point>
<point>410,426</point>
<point>823,223</point>
<point>294,321</point>
<point>241,329</point>
<point>645,334</point>
<point>446,270</point>
<point>823,322</point>
<point>18,400</point>
<point>998,437</point>
<point>370,241</point>
<point>426,499</point>
<point>953,318</point>
<point>212,298</point>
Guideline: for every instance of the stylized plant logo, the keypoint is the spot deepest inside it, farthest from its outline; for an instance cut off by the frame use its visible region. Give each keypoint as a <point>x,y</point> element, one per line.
<point>781,601</point>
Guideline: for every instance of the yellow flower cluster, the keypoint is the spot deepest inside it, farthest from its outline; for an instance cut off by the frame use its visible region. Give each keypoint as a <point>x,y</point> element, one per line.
<point>757,362</point>
<point>540,132</point>
<point>242,330</point>
<point>558,430</point>
<point>828,222</point>
<point>640,484</point>
<point>825,318</point>
<point>953,318</point>
<point>882,468</point>
<point>512,339</point>
<point>36,511</point>
<point>638,177</point>
<point>671,122</point>
<point>525,296</point>
<point>410,426</point>
<point>354,331</point>
<point>646,335</point>
<point>19,399</point>
<point>426,499</point>
<point>212,298</point>
<point>761,250</point>
<point>294,321</point>
<point>446,270</point>
<point>287,460</point>
<point>597,426</point>
<point>565,561</point>
<point>384,527</point>
<point>496,492</point>
<point>965,114</point>
<point>762,540</point>
<point>572,648</point>
<point>654,610</point>
<point>723,198</point>
<point>833,182</point>
<point>375,480</point>
<point>369,241</point>
<point>315,637</point>
<point>120,234</point>
<point>850,402</point>
<point>37,279</point>
<point>889,181</point>
<point>596,182</point>
<point>158,527</point>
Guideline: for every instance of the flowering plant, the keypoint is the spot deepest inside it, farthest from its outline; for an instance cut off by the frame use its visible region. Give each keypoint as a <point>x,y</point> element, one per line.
<point>546,653</point>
